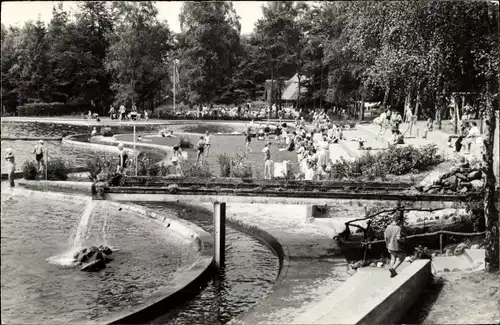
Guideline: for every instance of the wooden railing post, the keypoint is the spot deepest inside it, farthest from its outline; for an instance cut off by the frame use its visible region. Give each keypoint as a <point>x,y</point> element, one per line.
<point>441,243</point>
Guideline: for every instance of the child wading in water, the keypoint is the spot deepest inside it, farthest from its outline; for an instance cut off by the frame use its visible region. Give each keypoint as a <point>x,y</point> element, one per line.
<point>394,240</point>
<point>201,149</point>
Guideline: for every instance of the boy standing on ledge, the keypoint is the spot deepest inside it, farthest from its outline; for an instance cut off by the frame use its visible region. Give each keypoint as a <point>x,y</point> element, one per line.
<point>394,240</point>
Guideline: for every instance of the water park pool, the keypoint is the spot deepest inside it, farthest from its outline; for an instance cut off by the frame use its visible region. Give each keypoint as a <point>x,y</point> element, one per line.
<point>39,286</point>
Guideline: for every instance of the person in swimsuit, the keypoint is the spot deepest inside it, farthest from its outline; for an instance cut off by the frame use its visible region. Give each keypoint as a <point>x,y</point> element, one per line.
<point>11,165</point>
<point>268,163</point>
<point>39,151</point>
<point>207,143</point>
<point>248,139</point>
<point>122,165</point>
<point>201,148</point>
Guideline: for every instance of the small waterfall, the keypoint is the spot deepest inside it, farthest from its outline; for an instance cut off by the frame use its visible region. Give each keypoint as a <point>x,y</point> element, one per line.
<point>82,231</point>
<point>77,238</point>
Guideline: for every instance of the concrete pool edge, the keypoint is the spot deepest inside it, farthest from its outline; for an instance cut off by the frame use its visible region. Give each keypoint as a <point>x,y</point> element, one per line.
<point>176,292</point>
<point>180,289</point>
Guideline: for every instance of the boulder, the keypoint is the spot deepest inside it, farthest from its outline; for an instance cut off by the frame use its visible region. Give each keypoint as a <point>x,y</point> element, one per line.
<point>459,249</point>
<point>433,191</point>
<point>357,265</point>
<point>461,176</point>
<point>476,174</point>
<point>451,180</point>
<point>380,264</point>
<point>431,179</point>
<point>372,265</point>
<point>94,266</point>
<point>464,165</point>
<point>426,188</point>
<point>475,246</point>
<point>477,184</point>
<point>449,252</point>
<point>463,190</point>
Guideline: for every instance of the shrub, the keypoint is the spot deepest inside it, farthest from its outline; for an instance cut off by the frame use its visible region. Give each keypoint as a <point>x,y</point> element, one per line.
<point>422,252</point>
<point>51,109</point>
<point>185,143</point>
<point>57,170</point>
<point>234,166</point>
<point>394,160</point>
<point>107,132</point>
<point>192,170</point>
<point>99,167</point>
<point>29,170</point>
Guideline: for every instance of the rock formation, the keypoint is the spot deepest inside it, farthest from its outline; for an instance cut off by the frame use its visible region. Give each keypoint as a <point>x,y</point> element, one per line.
<point>93,259</point>
<point>460,179</point>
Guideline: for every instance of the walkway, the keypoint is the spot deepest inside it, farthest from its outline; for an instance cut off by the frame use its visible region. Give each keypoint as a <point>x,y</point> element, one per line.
<point>313,266</point>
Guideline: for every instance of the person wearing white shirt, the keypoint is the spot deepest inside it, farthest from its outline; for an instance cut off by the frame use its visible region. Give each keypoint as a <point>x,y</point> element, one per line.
<point>207,143</point>
<point>472,136</point>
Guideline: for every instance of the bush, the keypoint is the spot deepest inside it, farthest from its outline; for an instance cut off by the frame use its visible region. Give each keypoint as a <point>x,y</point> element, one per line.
<point>422,252</point>
<point>394,160</point>
<point>185,143</point>
<point>107,132</point>
<point>192,170</point>
<point>57,170</point>
<point>51,109</point>
<point>234,166</point>
<point>29,170</point>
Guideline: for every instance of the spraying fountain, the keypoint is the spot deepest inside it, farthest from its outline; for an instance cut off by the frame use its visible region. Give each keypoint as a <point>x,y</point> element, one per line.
<point>91,259</point>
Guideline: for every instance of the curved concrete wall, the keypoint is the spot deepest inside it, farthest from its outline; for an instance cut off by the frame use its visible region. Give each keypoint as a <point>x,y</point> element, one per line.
<point>174,293</point>
<point>72,140</point>
<point>181,288</point>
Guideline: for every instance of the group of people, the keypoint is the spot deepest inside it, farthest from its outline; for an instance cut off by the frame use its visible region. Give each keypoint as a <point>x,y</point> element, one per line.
<point>39,151</point>
<point>312,146</point>
<point>392,120</point>
<point>122,115</point>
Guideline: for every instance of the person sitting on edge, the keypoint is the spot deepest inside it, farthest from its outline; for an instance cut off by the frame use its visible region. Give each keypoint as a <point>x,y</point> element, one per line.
<point>94,132</point>
<point>394,240</point>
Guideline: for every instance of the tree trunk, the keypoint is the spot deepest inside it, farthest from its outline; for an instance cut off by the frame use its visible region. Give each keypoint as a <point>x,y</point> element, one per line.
<point>362,106</point>
<point>271,93</point>
<point>455,118</point>
<point>417,103</point>
<point>298,89</point>
<point>490,202</point>
<point>386,96</point>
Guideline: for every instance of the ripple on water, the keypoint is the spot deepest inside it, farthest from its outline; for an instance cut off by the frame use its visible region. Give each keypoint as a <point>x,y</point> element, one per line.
<point>35,291</point>
<point>250,272</point>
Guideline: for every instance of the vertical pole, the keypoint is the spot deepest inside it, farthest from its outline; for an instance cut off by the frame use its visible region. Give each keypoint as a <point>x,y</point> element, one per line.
<point>175,77</point>
<point>135,154</point>
<point>219,234</point>
<point>441,243</point>
<point>46,164</point>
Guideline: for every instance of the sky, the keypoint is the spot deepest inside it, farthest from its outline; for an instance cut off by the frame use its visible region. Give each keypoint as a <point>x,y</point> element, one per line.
<point>18,12</point>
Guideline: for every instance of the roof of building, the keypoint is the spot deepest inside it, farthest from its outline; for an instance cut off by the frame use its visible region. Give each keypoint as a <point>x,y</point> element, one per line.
<point>292,89</point>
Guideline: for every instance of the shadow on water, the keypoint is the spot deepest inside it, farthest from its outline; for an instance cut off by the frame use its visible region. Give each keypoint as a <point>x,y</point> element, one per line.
<point>420,310</point>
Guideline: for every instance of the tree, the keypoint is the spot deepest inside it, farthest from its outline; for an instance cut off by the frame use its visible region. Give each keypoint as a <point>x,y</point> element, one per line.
<point>209,46</point>
<point>136,56</point>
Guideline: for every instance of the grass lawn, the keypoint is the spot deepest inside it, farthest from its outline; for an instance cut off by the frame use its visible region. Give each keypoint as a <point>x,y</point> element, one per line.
<point>228,144</point>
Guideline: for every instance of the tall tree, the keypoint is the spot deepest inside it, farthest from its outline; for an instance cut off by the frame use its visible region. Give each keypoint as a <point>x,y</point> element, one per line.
<point>209,47</point>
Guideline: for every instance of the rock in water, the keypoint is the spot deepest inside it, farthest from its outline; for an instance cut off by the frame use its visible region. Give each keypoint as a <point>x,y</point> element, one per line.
<point>94,266</point>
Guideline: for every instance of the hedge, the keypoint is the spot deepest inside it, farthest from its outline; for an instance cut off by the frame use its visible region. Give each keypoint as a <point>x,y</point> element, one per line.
<point>51,109</point>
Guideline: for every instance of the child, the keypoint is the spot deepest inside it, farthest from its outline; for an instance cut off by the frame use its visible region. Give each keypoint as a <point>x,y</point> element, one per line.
<point>11,166</point>
<point>39,151</point>
<point>146,116</point>
<point>428,128</point>
<point>267,161</point>
<point>394,240</point>
<point>207,142</point>
<point>248,139</point>
<point>201,149</point>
